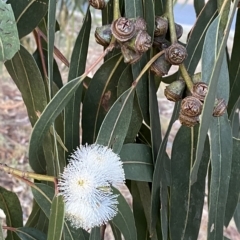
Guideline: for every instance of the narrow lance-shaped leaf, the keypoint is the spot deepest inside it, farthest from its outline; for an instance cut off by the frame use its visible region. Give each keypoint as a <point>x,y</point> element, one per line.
<point>150,17</point>
<point>26,233</point>
<point>51,39</point>
<point>138,211</point>
<point>125,82</point>
<point>133,8</point>
<point>234,188</point>
<point>160,7</point>
<point>137,158</point>
<point>77,67</point>
<point>156,135</point>
<point>124,219</point>
<point>56,220</point>
<point>28,14</point>
<point>52,110</point>
<point>159,176</point>
<point>186,201</point>
<point>142,88</point>
<point>198,6</point>
<point>116,233</point>
<point>43,195</point>
<point>27,77</point>
<point>95,234</point>
<point>213,80</point>
<point>100,96</point>
<point>115,125</point>
<point>234,69</point>
<point>197,35</point>
<point>221,158</point>
<point>9,41</point>
<point>10,204</point>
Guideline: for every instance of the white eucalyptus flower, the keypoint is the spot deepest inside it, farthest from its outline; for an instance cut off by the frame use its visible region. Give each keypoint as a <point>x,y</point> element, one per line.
<point>86,183</point>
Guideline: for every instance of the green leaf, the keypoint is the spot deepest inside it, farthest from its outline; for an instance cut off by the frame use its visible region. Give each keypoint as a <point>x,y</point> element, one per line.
<point>116,123</point>
<point>186,201</point>
<point>142,88</point>
<point>133,9</point>
<point>138,209</point>
<point>28,14</point>
<point>43,195</point>
<point>56,219</point>
<point>51,39</point>
<point>9,41</point>
<point>169,78</point>
<point>221,160</point>
<point>100,96</point>
<point>137,158</point>
<point>234,68</point>
<point>125,80</point>
<point>197,35</point>
<point>160,7</point>
<point>42,223</point>
<point>159,175</point>
<point>150,17</point>
<point>71,233</point>
<point>26,233</point>
<point>198,6</point>
<point>10,204</point>
<point>116,233</point>
<point>27,77</point>
<point>124,219</point>
<point>95,234</point>
<point>77,67</point>
<point>213,81</point>
<point>107,13</point>
<point>234,188</point>
<point>56,73</point>
<point>34,216</point>
<point>52,110</point>
<point>156,135</point>
<point>144,135</point>
<point>124,83</point>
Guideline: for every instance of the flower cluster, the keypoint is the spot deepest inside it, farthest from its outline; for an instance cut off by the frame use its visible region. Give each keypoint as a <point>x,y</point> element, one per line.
<point>86,183</point>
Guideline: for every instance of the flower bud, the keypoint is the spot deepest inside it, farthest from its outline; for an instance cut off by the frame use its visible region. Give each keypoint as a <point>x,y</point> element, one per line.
<point>103,35</point>
<point>123,29</point>
<point>188,121</point>
<point>142,42</point>
<point>175,54</point>
<point>160,67</point>
<point>197,77</point>
<point>191,106</point>
<point>219,107</point>
<point>200,90</point>
<point>98,4</point>
<point>129,55</point>
<point>161,26</point>
<point>179,30</point>
<point>173,91</point>
<point>161,42</point>
<point>140,24</point>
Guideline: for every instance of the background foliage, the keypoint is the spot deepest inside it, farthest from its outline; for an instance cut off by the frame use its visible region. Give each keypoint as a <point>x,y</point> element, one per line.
<point>167,190</point>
